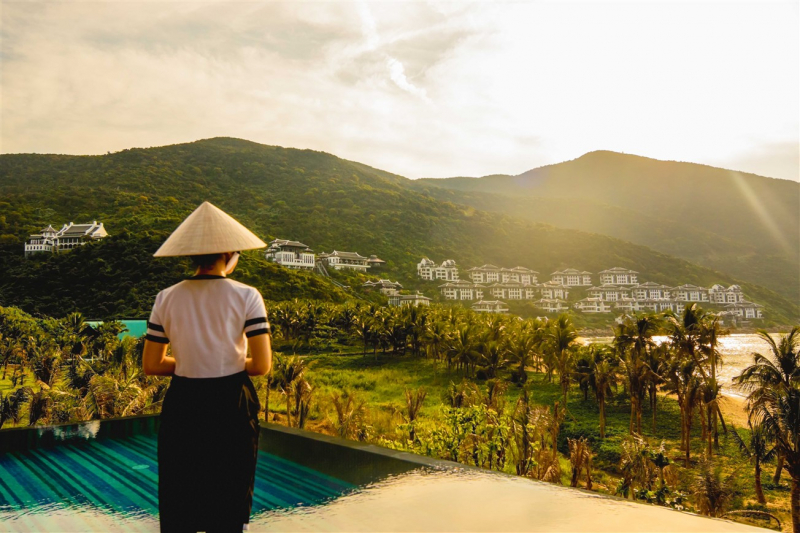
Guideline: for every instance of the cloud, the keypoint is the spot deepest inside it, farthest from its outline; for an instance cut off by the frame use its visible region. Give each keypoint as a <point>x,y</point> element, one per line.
<point>417,88</point>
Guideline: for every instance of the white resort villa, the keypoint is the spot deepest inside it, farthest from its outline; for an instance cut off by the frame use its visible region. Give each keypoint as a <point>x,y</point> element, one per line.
<point>345,260</point>
<point>384,286</point>
<point>409,299</point>
<point>490,306</point>
<point>427,269</point>
<point>290,254</point>
<point>490,273</point>
<point>572,278</point>
<point>68,237</point>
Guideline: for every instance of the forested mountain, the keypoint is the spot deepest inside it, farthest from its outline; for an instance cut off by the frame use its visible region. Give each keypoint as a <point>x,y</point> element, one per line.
<point>741,223</point>
<point>319,199</point>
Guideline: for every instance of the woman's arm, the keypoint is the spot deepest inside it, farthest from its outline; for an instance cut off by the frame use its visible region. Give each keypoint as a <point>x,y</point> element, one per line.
<point>260,360</point>
<point>155,361</point>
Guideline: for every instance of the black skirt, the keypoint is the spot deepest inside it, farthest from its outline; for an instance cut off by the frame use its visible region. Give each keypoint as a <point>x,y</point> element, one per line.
<point>207,451</point>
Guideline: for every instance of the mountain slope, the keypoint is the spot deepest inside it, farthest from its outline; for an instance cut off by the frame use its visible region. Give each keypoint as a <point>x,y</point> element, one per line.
<point>742,223</point>
<point>313,197</point>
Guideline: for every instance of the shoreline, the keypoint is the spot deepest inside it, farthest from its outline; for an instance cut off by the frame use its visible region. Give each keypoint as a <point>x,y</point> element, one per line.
<point>734,410</point>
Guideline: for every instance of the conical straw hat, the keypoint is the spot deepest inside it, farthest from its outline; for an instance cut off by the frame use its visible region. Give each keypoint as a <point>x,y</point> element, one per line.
<point>208,230</point>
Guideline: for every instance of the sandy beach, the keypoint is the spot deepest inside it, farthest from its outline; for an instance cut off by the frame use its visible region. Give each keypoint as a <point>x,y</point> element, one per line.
<point>733,409</point>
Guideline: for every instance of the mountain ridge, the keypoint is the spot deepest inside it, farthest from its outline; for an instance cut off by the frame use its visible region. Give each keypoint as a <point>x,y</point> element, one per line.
<point>314,197</point>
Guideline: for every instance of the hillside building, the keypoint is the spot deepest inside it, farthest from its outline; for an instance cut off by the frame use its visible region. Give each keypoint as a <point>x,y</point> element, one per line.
<point>290,254</point>
<point>552,290</point>
<point>409,299</point>
<point>495,274</point>
<point>618,276</point>
<point>345,261</point>
<point>384,286</point>
<point>490,306</point>
<point>689,293</point>
<point>609,293</point>
<point>746,310</point>
<point>462,290</point>
<point>375,262</point>
<point>69,236</point>
<point>593,305</point>
<point>428,270</point>
<point>720,295</point>
<point>572,278</point>
<point>551,305</point>
<point>650,290</point>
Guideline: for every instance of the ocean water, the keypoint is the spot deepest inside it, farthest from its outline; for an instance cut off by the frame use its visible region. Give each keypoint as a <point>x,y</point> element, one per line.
<point>736,350</point>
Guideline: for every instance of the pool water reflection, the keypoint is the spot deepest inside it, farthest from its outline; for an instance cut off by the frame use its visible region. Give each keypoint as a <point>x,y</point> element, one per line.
<point>112,485</point>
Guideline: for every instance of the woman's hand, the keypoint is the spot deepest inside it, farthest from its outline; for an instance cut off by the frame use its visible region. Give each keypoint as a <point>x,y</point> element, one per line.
<point>155,361</point>
<point>260,360</point>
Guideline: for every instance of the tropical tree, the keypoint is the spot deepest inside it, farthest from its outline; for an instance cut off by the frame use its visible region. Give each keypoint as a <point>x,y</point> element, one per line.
<point>777,411</point>
<point>758,450</point>
<point>779,368</point>
<point>603,378</point>
<point>712,490</point>
<point>562,338</point>
<point>414,401</point>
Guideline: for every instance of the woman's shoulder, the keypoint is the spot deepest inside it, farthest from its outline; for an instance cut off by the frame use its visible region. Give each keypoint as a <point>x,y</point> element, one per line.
<point>241,287</point>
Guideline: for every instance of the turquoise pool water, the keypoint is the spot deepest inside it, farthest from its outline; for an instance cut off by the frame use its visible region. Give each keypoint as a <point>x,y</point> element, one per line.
<point>136,328</point>
<point>112,485</point>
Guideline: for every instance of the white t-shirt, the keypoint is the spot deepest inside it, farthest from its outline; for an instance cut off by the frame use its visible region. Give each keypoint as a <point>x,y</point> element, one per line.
<point>208,320</point>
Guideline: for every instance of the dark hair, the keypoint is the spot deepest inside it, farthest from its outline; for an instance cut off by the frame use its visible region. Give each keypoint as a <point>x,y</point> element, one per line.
<point>204,261</point>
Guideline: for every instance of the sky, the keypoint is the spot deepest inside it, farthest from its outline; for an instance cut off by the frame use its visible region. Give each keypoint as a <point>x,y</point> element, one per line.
<point>421,89</point>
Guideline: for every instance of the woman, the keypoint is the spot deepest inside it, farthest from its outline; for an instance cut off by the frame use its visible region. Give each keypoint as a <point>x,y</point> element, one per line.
<point>208,437</point>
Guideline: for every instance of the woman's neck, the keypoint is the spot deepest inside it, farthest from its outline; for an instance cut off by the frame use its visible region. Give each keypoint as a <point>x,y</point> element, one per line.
<point>216,270</point>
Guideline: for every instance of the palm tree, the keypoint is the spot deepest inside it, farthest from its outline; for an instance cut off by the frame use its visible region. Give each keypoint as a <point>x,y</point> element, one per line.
<point>463,348</point>
<point>777,410</point>
<point>562,339</point>
<point>634,342</point>
<point>604,378</point>
<point>289,370</point>
<point>436,339</point>
<point>521,349</point>
<point>493,358</point>
<point>11,405</point>
<point>779,368</point>
<point>758,450</point>
<point>711,490</point>
<point>580,458</point>
<point>636,465</point>
<point>350,414</point>
<point>413,406</point>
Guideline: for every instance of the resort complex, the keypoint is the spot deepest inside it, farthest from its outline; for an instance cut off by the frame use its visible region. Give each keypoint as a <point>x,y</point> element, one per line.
<point>619,291</point>
<point>68,237</point>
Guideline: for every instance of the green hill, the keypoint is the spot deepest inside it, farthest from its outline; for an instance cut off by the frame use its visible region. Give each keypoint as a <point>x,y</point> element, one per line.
<point>740,223</point>
<point>310,196</point>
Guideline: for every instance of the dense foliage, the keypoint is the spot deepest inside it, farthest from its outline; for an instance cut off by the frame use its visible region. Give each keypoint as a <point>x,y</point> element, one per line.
<point>310,196</point>
<point>493,414</point>
<point>118,277</point>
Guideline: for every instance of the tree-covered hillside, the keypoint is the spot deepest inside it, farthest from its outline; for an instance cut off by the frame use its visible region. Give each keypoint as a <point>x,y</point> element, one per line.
<point>313,197</point>
<point>732,221</point>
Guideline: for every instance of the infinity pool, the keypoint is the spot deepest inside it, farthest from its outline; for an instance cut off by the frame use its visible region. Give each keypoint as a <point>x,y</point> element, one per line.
<point>103,477</point>
<point>112,485</point>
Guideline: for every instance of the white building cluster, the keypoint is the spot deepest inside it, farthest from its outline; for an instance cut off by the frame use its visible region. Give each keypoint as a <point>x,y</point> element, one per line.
<point>69,236</point>
<point>654,297</point>
<point>296,255</point>
<point>619,291</point>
